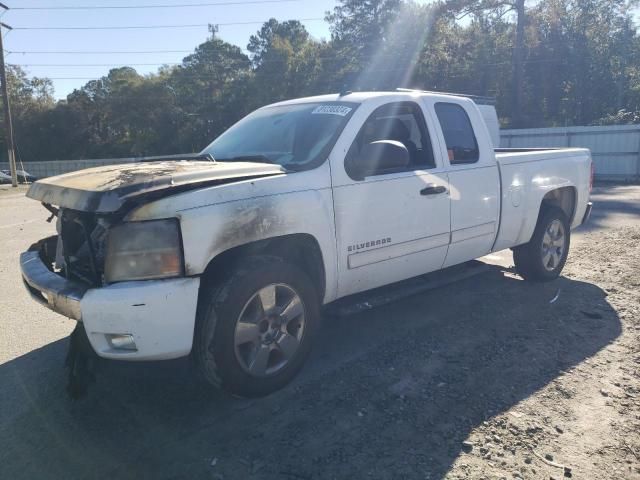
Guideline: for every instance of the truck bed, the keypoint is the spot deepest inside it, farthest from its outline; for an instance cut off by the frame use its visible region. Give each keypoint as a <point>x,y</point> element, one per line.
<point>510,156</point>
<point>525,149</point>
<point>526,175</point>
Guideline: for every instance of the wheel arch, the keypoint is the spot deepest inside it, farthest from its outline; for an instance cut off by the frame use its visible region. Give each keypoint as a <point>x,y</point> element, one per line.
<point>564,198</point>
<point>300,249</point>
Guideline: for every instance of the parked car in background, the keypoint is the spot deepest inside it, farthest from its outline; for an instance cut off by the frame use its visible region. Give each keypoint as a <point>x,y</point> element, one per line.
<point>23,177</point>
<point>307,201</point>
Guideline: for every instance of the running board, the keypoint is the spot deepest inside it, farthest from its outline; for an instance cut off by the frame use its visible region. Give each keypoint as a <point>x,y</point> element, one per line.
<point>377,297</point>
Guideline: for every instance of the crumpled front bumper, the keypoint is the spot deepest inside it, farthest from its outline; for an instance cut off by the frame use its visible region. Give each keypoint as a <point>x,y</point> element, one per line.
<point>159,314</point>
<point>50,289</point>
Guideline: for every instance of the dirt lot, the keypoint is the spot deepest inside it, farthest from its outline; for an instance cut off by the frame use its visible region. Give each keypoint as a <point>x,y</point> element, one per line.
<point>486,378</point>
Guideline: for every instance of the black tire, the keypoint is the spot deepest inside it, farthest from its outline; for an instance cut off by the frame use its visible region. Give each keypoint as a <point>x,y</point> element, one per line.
<point>528,258</point>
<point>220,307</point>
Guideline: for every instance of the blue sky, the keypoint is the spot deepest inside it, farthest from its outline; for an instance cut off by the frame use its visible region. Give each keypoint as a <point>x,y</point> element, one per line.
<point>66,78</point>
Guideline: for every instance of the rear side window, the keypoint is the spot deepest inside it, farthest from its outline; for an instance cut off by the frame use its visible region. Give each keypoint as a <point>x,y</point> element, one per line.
<point>462,145</point>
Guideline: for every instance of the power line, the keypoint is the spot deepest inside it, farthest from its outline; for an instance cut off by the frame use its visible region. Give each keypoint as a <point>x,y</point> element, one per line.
<point>201,76</point>
<point>284,60</point>
<point>174,5</point>
<point>132,27</point>
<point>88,52</point>
<point>95,64</point>
<point>126,52</point>
<point>228,62</point>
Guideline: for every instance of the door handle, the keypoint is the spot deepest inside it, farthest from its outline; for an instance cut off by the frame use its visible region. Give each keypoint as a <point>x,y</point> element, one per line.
<point>433,190</point>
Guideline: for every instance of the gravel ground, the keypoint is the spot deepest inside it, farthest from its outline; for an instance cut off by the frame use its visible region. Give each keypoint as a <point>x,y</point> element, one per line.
<point>486,378</point>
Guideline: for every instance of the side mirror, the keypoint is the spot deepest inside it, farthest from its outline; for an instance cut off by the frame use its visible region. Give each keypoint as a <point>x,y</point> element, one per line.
<point>378,157</point>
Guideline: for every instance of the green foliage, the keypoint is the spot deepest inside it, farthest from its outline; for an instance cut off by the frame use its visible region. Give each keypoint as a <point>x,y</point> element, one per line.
<point>621,117</point>
<point>580,65</point>
<point>271,32</point>
<point>287,62</point>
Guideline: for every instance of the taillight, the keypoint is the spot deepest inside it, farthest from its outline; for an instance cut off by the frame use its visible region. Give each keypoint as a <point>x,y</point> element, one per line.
<point>593,171</point>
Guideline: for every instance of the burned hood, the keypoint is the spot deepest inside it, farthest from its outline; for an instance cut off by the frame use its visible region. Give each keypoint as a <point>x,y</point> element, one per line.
<point>107,189</point>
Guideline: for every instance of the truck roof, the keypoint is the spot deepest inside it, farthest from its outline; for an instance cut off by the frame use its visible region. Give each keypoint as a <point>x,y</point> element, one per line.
<point>361,97</point>
<point>486,105</point>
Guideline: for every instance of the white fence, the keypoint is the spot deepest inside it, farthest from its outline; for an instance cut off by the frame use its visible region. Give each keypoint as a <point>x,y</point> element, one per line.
<point>615,149</point>
<point>57,167</point>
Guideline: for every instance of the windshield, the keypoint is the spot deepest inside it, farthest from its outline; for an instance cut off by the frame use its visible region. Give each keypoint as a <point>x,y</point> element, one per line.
<point>298,137</point>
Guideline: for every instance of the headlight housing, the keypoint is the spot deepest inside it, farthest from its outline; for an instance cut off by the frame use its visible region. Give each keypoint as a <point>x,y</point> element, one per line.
<point>144,251</point>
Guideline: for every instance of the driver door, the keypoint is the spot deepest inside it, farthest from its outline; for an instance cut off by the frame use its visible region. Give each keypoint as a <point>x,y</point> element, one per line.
<point>391,225</point>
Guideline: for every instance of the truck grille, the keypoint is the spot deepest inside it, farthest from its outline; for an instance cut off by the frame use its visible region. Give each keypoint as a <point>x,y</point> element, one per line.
<point>83,238</point>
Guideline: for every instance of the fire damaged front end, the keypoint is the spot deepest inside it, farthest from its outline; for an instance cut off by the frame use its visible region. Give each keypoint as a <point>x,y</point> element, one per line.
<point>58,270</point>
<point>124,281</point>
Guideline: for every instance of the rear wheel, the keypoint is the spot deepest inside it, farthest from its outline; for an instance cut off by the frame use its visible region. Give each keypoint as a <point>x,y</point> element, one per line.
<point>543,258</point>
<point>255,329</point>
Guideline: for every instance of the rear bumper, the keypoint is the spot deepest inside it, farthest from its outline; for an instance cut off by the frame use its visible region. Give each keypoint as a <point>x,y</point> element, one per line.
<point>587,213</point>
<point>158,314</point>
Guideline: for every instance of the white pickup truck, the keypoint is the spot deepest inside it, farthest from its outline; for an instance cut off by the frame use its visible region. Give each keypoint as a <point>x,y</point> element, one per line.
<point>229,255</point>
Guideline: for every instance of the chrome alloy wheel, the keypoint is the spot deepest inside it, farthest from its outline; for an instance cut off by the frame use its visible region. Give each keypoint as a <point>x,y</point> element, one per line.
<point>553,245</point>
<point>269,330</point>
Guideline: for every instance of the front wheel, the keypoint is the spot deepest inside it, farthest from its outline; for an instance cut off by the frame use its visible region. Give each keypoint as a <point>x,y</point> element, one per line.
<point>543,258</point>
<point>255,330</point>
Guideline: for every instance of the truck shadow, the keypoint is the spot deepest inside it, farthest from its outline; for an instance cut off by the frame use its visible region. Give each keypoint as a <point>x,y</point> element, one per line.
<point>392,392</point>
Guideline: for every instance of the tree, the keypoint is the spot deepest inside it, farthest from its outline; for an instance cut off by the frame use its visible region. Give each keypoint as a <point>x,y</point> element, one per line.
<point>206,86</point>
<point>287,62</point>
<point>29,97</point>
<point>580,61</point>
<point>292,31</point>
<point>500,8</point>
<point>358,32</point>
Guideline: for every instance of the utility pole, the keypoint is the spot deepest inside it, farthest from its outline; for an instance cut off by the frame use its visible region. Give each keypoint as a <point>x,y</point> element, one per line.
<point>518,74</point>
<point>8,126</point>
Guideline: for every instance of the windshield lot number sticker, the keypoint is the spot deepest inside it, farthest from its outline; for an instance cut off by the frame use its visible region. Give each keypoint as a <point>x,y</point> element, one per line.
<point>331,110</point>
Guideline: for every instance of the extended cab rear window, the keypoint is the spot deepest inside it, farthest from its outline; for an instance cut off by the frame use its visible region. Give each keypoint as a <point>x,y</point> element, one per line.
<point>462,145</point>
